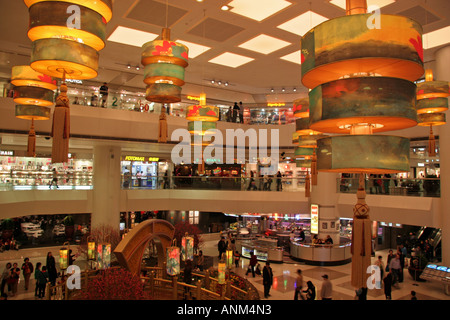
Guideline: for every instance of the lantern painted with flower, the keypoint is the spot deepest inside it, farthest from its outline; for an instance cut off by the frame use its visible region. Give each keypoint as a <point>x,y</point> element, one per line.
<point>229,258</point>
<point>103,256</point>
<point>173,261</point>
<point>222,267</point>
<point>91,250</point>
<point>64,257</point>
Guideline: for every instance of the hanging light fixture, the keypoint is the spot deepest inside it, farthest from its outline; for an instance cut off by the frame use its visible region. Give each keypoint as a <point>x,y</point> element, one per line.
<point>187,247</point>
<point>164,64</point>
<point>66,36</point>
<point>361,81</point>
<point>173,260</point>
<point>431,104</point>
<point>33,93</point>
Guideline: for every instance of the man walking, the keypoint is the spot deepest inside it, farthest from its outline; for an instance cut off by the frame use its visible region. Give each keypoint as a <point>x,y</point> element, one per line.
<point>267,279</point>
<point>327,288</point>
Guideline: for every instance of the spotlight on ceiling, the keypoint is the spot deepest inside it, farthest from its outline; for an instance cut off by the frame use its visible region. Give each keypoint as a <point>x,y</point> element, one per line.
<point>283,90</point>
<point>128,66</point>
<point>225,8</point>
<point>212,81</point>
<point>226,83</point>
<point>137,68</point>
<point>295,89</point>
<point>219,82</point>
<point>272,90</point>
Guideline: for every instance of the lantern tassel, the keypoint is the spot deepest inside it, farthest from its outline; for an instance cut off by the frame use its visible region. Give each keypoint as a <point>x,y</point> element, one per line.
<point>61,127</point>
<point>314,168</point>
<point>361,247</point>
<point>431,143</point>
<point>162,130</point>
<point>31,148</point>
<point>307,186</point>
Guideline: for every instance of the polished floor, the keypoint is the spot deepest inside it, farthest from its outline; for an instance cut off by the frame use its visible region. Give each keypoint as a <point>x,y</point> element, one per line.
<point>284,277</point>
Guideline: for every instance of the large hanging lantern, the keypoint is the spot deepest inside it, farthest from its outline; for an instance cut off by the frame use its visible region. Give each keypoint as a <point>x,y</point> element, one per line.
<point>33,93</point>
<point>173,260</point>
<point>229,257</point>
<point>361,81</point>
<point>432,102</point>
<point>187,248</point>
<point>164,67</point>
<point>91,249</point>
<point>66,36</point>
<point>301,108</point>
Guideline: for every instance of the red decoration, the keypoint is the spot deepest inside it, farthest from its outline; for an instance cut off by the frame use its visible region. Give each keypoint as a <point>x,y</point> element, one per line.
<point>418,46</point>
<point>165,50</point>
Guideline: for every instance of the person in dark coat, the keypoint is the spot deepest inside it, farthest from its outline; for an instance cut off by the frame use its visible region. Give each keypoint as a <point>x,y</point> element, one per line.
<point>388,285</point>
<point>267,279</point>
<point>51,268</point>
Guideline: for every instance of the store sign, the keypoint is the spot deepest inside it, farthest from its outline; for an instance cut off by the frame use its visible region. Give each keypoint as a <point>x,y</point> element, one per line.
<point>193,98</point>
<point>6,153</point>
<point>314,218</point>
<point>279,104</point>
<point>142,159</point>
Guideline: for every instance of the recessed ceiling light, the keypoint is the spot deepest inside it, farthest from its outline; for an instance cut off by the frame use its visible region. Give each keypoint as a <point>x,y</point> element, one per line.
<point>293,57</point>
<point>131,37</point>
<point>225,8</point>
<point>380,3</point>
<point>219,82</point>
<point>128,66</point>
<point>303,23</point>
<point>194,49</point>
<point>258,9</point>
<point>436,38</point>
<point>232,60</point>
<point>264,44</point>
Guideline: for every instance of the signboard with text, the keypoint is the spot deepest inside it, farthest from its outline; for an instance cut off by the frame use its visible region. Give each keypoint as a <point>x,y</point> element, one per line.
<point>314,218</point>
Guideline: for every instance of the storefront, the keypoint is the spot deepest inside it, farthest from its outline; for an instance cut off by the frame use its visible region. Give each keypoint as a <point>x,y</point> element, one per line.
<point>26,173</point>
<point>143,171</point>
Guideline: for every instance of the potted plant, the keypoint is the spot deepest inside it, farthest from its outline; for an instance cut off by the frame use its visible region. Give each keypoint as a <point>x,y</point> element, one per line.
<point>7,229</point>
<point>69,226</point>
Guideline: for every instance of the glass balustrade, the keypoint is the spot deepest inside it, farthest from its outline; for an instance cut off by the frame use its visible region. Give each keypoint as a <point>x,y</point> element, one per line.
<point>418,187</point>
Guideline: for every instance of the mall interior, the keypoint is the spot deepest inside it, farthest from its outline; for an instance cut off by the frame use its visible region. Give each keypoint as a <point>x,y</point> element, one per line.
<point>250,68</point>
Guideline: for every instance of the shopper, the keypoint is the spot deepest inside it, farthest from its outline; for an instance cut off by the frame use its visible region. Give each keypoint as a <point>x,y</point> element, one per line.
<point>104,92</point>
<point>55,179</point>
<point>5,277</point>
<point>327,288</point>
<point>388,285</point>
<point>235,111</point>
<point>51,268</point>
<point>380,264</point>
<point>267,279</point>
<point>310,291</point>
<point>237,257</point>
<point>389,258</point>
<point>41,280</point>
<point>279,181</point>
<point>361,293</point>
<point>299,285</point>
<point>413,295</point>
<point>241,112</point>
<point>222,247</point>
<point>200,260</point>
<point>14,278</point>
<point>302,235</point>
<point>395,268</point>
<point>252,264</point>
<point>27,269</point>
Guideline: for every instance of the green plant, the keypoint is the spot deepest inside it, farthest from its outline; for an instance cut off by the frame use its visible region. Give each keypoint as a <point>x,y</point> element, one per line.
<point>7,224</point>
<point>68,221</point>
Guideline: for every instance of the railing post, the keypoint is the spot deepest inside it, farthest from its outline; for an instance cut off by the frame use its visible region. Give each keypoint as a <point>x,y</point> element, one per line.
<point>207,280</point>
<point>175,288</point>
<point>228,289</point>
<point>249,293</point>
<point>66,291</point>
<point>223,292</point>
<point>199,290</point>
<point>47,291</point>
<point>152,282</point>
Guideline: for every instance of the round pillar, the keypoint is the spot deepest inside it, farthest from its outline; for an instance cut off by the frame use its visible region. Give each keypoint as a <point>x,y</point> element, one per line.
<point>324,194</point>
<point>106,193</point>
<point>442,73</point>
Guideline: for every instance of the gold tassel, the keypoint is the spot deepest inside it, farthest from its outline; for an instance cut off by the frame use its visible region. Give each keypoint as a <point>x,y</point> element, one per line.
<point>31,149</point>
<point>307,186</point>
<point>314,168</point>
<point>162,130</point>
<point>431,144</point>
<point>61,127</point>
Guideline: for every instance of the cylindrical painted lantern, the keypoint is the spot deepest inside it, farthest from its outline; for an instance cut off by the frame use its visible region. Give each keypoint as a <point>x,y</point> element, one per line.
<point>164,67</point>
<point>301,108</point>
<point>173,261</point>
<point>64,258</point>
<point>222,268</point>
<point>91,250</point>
<point>103,255</point>
<point>229,256</point>
<point>187,248</point>
<point>346,47</point>
<point>200,127</point>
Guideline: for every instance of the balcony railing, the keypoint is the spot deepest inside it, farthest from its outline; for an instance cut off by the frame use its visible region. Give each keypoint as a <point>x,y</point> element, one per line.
<point>420,187</point>
<point>215,183</point>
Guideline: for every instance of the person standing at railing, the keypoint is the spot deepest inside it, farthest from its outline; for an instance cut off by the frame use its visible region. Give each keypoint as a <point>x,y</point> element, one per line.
<point>55,179</point>
<point>279,182</point>
<point>104,92</point>
<point>387,182</point>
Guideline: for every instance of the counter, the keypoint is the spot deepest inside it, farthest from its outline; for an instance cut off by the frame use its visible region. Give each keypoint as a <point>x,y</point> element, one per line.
<point>324,255</point>
<point>264,249</point>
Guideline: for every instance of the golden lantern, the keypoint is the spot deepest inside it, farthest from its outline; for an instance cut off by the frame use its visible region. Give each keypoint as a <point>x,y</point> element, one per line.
<point>431,103</point>
<point>33,93</point>
<point>301,108</point>
<point>103,255</point>
<point>229,255</point>
<point>164,67</point>
<point>222,268</point>
<point>64,257</point>
<point>66,37</point>
<point>361,81</point>
<point>91,249</point>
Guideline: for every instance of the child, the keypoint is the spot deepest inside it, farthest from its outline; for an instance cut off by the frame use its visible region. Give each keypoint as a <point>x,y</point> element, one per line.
<point>237,256</point>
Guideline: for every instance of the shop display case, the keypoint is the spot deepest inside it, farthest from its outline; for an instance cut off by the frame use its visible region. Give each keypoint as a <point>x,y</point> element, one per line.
<point>26,173</point>
<point>321,254</point>
<point>265,249</point>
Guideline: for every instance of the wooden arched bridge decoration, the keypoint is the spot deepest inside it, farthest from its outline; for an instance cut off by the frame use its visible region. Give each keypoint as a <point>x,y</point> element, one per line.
<point>130,250</point>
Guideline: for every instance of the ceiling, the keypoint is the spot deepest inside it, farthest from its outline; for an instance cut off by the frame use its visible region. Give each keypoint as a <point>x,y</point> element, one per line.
<point>206,24</point>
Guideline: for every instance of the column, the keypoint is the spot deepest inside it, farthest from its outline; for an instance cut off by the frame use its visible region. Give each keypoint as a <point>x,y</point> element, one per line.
<point>442,73</point>
<point>106,193</point>
<point>324,194</point>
